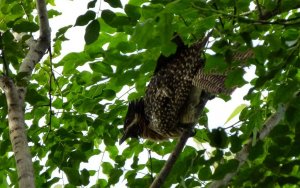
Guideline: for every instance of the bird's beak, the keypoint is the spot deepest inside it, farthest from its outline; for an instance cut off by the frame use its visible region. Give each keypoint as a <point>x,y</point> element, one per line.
<point>124,137</point>
<point>130,126</point>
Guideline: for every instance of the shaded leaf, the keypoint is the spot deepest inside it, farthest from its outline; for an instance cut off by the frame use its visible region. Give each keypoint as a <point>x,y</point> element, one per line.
<point>85,18</point>
<point>92,32</point>
<point>218,138</point>
<point>92,4</point>
<point>102,67</point>
<point>132,11</point>
<point>72,175</point>
<point>223,169</point>
<point>114,3</point>
<point>25,26</point>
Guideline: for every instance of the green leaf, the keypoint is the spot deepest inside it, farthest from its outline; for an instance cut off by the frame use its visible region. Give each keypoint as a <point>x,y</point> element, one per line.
<point>108,94</point>
<point>58,103</point>
<point>72,175</point>
<point>17,10</point>
<point>106,167</point>
<point>256,151</point>
<point>235,112</point>
<point>25,26</point>
<point>85,176</point>
<point>115,175</point>
<point>108,16</point>
<point>100,183</point>
<point>4,145</point>
<point>34,98</point>
<point>84,78</point>
<point>113,151</point>
<point>204,173</point>
<point>235,143</point>
<point>85,18</point>
<point>142,33</point>
<point>206,24</point>
<point>285,91</point>
<point>218,138</point>
<point>52,13</point>
<point>102,67</point>
<point>132,11</point>
<point>92,32</point>
<point>155,165</point>
<point>92,4</point>
<point>215,63</point>
<point>114,3</point>
<point>51,182</point>
<point>61,32</point>
<point>72,60</point>
<point>235,78</point>
<point>165,27</point>
<point>223,169</point>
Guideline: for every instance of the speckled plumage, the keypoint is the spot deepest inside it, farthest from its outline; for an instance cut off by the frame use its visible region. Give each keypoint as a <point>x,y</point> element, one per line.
<point>169,88</point>
<point>167,94</point>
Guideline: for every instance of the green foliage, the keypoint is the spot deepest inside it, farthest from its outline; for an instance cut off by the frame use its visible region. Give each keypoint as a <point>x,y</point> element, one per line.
<point>84,19</point>
<point>89,95</point>
<point>92,32</point>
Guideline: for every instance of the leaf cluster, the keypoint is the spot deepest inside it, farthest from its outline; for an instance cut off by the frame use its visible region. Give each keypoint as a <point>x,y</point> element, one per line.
<point>77,113</point>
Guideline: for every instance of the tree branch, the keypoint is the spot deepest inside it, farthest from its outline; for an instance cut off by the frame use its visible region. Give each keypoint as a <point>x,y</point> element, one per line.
<point>161,177</point>
<point>17,133</point>
<point>242,155</point>
<point>15,96</point>
<point>38,47</point>
<point>263,19</point>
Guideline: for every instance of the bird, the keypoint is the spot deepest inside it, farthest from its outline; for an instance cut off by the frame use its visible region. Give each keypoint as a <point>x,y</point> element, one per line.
<point>159,114</point>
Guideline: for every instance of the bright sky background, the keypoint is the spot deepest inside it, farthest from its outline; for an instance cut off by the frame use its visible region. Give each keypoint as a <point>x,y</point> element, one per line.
<point>219,110</point>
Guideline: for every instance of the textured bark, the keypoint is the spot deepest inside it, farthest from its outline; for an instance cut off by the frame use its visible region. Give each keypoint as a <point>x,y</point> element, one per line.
<point>15,97</point>
<point>18,133</point>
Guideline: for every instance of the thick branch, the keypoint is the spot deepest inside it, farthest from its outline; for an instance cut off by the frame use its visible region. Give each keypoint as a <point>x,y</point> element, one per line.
<point>17,133</point>
<point>39,47</point>
<point>15,96</point>
<point>242,155</point>
<point>161,177</point>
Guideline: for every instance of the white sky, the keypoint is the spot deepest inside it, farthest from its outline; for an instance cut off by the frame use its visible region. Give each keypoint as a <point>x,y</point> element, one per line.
<point>219,110</point>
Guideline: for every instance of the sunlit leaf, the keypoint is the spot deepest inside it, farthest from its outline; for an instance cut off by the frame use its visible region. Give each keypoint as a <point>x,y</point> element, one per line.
<point>235,112</point>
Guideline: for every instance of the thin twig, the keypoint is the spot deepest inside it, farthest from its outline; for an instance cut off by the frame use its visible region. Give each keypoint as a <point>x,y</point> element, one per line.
<point>233,125</point>
<point>262,21</point>
<point>151,168</point>
<point>5,64</point>
<point>259,9</point>
<point>220,19</point>
<point>50,93</point>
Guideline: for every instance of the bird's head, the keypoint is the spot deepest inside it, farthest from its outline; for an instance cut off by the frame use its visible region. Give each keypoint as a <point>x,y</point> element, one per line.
<point>134,121</point>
